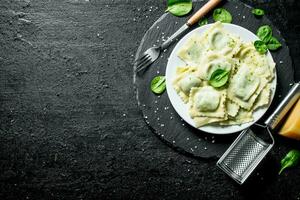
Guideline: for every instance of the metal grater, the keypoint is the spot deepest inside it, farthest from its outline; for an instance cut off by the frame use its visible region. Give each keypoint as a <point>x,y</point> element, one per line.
<point>247,151</point>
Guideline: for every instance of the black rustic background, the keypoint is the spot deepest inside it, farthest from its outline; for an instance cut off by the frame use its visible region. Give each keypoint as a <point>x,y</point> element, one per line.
<point>70,127</point>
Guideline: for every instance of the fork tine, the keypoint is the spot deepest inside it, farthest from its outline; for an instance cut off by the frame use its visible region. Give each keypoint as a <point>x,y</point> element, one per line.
<point>141,58</point>
<point>145,58</point>
<point>144,64</point>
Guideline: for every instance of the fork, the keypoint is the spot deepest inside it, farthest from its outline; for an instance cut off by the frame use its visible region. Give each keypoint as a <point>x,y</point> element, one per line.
<point>151,54</point>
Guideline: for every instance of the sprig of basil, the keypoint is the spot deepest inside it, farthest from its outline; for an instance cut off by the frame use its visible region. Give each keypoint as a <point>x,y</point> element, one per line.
<point>267,41</point>
<point>291,159</point>
<point>264,33</point>
<point>258,12</point>
<point>273,44</point>
<point>158,84</point>
<point>219,78</point>
<point>260,46</point>
<point>222,15</point>
<point>179,7</point>
<point>203,21</point>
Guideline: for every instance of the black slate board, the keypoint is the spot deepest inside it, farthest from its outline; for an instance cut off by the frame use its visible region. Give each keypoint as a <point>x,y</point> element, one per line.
<point>158,111</point>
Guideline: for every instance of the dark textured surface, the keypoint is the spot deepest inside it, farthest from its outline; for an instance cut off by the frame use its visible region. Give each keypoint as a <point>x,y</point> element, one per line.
<point>70,127</point>
<point>158,110</point>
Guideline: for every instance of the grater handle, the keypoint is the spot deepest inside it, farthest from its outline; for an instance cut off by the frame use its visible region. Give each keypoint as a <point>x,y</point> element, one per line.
<point>284,106</point>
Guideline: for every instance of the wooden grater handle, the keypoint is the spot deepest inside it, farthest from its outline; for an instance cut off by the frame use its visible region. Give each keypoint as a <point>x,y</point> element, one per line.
<point>203,11</point>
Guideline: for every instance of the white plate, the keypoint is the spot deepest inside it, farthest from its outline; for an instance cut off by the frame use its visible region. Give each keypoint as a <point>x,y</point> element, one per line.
<point>182,108</point>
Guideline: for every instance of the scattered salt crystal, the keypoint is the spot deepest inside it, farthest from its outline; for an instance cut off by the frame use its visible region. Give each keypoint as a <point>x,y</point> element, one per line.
<point>157,27</point>
<point>171,117</point>
<point>124,114</point>
<point>244,17</point>
<point>196,147</point>
<point>173,141</point>
<point>182,124</point>
<point>158,119</point>
<point>280,61</point>
<point>162,125</point>
<point>205,148</point>
<point>187,138</point>
<point>146,117</point>
<point>213,141</point>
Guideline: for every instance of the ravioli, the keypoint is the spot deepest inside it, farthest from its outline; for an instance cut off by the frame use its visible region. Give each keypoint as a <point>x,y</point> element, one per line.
<point>192,51</point>
<point>263,98</point>
<point>184,81</point>
<point>245,87</point>
<point>221,41</point>
<point>207,102</point>
<point>260,64</point>
<point>213,62</point>
<point>232,108</point>
<point>243,116</point>
<point>201,121</point>
<point>245,83</point>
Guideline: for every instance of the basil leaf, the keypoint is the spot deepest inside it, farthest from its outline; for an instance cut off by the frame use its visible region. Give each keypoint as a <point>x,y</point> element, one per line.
<point>203,21</point>
<point>264,33</point>
<point>258,12</point>
<point>158,84</point>
<point>260,46</point>
<point>219,78</point>
<point>273,44</point>
<point>290,160</point>
<point>179,7</point>
<point>222,15</point>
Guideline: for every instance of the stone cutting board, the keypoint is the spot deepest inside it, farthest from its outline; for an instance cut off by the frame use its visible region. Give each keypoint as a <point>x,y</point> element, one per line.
<point>157,109</point>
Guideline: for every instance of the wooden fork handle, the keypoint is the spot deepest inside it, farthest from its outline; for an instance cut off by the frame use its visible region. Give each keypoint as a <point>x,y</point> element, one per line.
<point>203,11</point>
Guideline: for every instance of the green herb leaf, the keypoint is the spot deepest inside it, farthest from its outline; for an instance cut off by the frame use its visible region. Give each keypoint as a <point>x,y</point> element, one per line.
<point>260,46</point>
<point>290,160</point>
<point>264,33</point>
<point>258,12</point>
<point>179,7</point>
<point>203,21</point>
<point>273,44</point>
<point>219,78</point>
<point>222,15</point>
<point>158,84</point>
